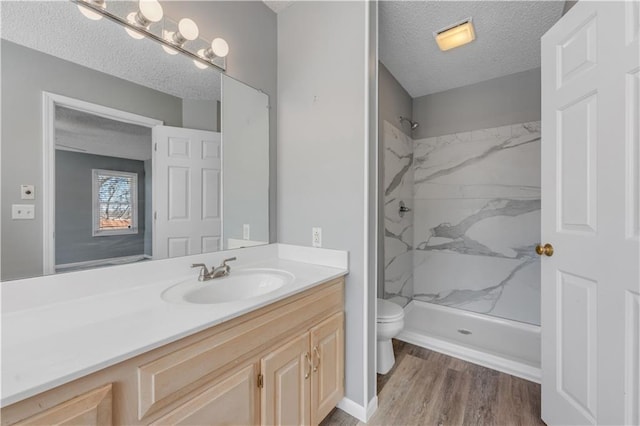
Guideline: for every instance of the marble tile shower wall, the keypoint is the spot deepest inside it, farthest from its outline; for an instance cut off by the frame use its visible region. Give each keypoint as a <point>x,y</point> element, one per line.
<point>398,241</point>
<point>476,221</point>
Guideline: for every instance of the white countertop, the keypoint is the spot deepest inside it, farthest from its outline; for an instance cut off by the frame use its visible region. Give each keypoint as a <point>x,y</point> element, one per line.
<point>62,337</point>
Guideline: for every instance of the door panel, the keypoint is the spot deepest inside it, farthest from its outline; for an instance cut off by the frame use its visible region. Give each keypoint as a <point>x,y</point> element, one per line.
<point>590,214</point>
<point>633,154</point>
<point>577,144</point>
<point>632,358</point>
<point>577,52</point>
<point>178,247</point>
<point>577,334</point>
<point>327,343</point>
<point>186,192</point>
<point>179,182</point>
<point>287,384</point>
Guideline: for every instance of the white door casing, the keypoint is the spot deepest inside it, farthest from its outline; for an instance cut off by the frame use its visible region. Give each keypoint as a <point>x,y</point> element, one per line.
<point>49,103</point>
<point>591,215</point>
<point>186,192</point>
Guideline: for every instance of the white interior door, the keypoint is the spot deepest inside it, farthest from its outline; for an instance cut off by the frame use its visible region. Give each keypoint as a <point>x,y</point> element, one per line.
<point>186,192</point>
<point>591,215</point>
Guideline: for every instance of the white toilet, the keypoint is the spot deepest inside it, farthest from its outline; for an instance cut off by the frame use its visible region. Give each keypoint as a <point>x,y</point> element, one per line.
<point>390,322</point>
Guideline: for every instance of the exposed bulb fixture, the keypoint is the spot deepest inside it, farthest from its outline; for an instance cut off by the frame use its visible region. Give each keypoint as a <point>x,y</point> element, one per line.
<point>455,35</point>
<point>91,14</point>
<point>200,65</point>
<point>219,48</point>
<point>187,31</point>
<point>149,12</point>
<point>174,36</point>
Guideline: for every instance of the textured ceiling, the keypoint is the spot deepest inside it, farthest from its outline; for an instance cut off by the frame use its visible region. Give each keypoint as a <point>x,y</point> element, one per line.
<point>278,5</point>
<point>59,29</point>
<point>507,41</point>
<point>82,132</point>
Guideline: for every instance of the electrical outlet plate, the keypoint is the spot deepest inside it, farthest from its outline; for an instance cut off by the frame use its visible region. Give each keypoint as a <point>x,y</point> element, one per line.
<point>246,231</point>
<point>316,237</point>
<point>23,211</point>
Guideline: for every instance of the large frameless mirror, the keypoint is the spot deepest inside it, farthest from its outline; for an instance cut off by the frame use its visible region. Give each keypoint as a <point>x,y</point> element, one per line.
<point>117,150</point>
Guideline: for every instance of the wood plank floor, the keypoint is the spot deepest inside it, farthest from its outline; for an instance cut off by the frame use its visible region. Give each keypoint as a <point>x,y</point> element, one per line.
<point>428,388</point>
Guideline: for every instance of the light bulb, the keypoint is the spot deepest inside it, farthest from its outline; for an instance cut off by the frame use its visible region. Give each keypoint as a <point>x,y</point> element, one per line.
<point>219,47</point>
<point>151,10</point>
<point>132,20</point>
<point>88,13</point>
<point>169,50</point>
<point>200,65</point>
<point>188,29</point>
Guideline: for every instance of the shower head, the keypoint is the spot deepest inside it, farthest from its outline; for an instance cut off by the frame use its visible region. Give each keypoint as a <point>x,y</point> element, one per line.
<point>414,124</point>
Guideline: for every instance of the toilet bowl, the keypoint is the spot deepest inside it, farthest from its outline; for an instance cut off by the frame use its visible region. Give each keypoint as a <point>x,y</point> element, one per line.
<point>390,321</point>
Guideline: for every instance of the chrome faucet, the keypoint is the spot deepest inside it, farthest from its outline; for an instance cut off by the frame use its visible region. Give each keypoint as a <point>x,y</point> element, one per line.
<point>218,272</point>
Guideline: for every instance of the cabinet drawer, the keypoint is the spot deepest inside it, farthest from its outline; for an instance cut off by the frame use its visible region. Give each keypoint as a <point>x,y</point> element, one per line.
<point>171,377</point>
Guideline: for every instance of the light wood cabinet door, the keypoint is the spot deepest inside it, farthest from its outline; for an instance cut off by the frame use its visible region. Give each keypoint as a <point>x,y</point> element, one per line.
<point>89,409</point>
<point>233,400</point>
<point>287,384</point>
<point>327,351</point>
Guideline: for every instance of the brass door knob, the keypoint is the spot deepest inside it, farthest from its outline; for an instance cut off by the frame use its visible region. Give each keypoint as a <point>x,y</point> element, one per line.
<point>547,250</point>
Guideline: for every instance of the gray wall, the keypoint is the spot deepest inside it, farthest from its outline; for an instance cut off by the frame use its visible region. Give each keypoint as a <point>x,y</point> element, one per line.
<point>498,102</point>
<point>250,28</point>
<point>322,142</point>
<point>568,4</point>
<point>26,74</point>
<point>394,101</point>
<point>200,115</point>
<point>74,209</point>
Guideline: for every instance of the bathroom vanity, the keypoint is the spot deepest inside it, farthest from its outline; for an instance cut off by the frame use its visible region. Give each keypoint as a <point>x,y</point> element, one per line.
<point>276,358</point>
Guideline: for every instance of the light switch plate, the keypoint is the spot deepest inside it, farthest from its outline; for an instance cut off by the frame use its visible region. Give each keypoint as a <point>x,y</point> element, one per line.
<point>246,231</point>
<point>27,192</point>
<point>23,211</point>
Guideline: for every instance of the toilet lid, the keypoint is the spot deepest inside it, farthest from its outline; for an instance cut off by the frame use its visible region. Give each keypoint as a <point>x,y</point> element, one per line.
<point>389,311</point>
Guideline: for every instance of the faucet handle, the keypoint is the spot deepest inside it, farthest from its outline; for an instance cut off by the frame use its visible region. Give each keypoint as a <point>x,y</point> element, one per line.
<point>203,271</point>
<point>227,267</point>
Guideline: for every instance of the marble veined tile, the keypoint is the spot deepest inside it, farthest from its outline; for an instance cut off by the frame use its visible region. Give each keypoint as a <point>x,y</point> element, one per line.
<point>496,228</point>
<point>398,161</point>
<point>507,158</point>
<point>497,133</point>
<point>507,173</point>
<point>493,286</point>
<point>398,238</point>
<point>477,220</point>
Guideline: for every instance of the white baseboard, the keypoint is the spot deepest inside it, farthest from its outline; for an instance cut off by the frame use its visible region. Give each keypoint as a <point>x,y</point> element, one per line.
<point>372,407</point>
<point>358,411</point>
<point>474,356</point>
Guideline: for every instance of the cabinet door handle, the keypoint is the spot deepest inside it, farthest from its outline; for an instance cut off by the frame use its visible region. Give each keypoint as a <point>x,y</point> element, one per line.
<point>307,357</point>
<point>317,353</point>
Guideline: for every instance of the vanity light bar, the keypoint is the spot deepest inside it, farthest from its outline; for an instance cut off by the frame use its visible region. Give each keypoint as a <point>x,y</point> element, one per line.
<point>99,8</point>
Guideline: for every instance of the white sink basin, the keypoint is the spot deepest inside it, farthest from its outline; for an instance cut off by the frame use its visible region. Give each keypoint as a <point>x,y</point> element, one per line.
<point>239,285</point>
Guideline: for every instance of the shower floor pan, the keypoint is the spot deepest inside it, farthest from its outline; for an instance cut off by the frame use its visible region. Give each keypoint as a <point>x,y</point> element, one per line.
<point>508,346</point>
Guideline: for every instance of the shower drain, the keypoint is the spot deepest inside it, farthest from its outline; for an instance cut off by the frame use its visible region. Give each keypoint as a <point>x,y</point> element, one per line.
<point>464,331</point>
